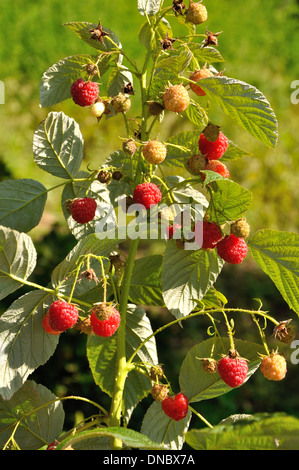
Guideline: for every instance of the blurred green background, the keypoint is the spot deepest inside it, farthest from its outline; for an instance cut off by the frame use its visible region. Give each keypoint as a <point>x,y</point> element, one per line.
<point>260,43</point>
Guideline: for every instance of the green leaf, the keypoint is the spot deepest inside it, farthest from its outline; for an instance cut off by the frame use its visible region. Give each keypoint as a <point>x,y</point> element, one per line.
<point>252,432</point>
<point>187,276</point>
<point>58,145</point>
<point>203,55</point>
<point>246,105</point>
<point>24,344</point>
<point>17,260</point>
<point>277,254</point>
<point>119,77</point>
<point>55,84</point>
<point>230,201</point>
<point>164,430</point>
<point>22,203</point>
<point>92,440</point>
<point>234,152</point>
<point>104,222</point>
<point>41,417</point>
<point>82,29</point>
<point>152,41</point>
<point>148,7</point>
<point>197,115</point>
<point>197,384</point>
<point>180,147</point>
<point>101,353</point>
<point>145,288</point>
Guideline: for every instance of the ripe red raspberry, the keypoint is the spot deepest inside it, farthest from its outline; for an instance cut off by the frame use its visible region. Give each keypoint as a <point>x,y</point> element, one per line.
<point>154,152</point>
<point>83,209</point>
<point>104,320</point>
<point>274,367</point>
<point>213,150</point>
<point>211,234</point>
<point>62,315</point>
<point>47,327</point>
<point>147,194</point>
<point>84,93</point>
<point>176,98</point>
<point>196,77</point>
<point>176,407</point>
<point>232,249</point>
<point>196,13</point>
<point>217,167</point>
<point>233,370</point>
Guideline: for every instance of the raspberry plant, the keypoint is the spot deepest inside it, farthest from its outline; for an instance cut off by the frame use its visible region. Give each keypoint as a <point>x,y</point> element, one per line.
<point>100,273</point>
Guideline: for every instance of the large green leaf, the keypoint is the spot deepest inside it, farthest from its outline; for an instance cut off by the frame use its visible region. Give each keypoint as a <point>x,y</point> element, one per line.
<point>160,428</point>
<point>101,353</point>
<point>82,29</point>
<point>58,145</point>
<point>93,440</point>
<point>145,287</point>
<point>41,417</point>
<point>250,432</point>
<point>55,84</point>
<point>246,105</point>
<point>22,203</point>
<point>199,385</point>
<point>277,254</point>
<point>17,260</point>
<point>230,201</point>
<point>187,276</point>
<point>180,147</point>
<point>24,344</point>
<point>148,7</point>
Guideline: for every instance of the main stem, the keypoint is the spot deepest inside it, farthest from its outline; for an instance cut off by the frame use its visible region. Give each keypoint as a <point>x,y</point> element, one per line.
<point>121,360</point>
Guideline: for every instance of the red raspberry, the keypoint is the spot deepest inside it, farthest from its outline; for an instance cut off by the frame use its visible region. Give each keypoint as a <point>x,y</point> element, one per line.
<point>84,93</point>
<point>83,210</point>
<point>62,315</point>
<point>104,320</point>
<point>176,407</point>
<point>154,152</point>
<point>46,325</point>
<point>213,150</point>
<point>232,249</point>
<point>211,234</point>
<point>176,98</point>
<point>196,77</point>
<point>217,167</point>
<point>147,194</point>
<point>233,370</point>
<point>274,367</point>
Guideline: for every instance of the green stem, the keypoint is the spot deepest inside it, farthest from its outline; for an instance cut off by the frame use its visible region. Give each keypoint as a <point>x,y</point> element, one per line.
<point>122,368</point>
<point>200,417</point>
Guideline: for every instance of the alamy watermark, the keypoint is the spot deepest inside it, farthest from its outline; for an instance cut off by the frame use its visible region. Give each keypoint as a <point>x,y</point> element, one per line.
<point>155,223</point>
<point>295,94</point>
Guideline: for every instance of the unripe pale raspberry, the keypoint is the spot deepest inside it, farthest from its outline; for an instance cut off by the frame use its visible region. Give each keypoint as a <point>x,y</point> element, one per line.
<point>209,365</point>
<point>62,315</point>
<point>84,93</point>
<point>240,228</point>
<point>104,320</point>
<point>196,13</point>
<point>159,392</point>
<point>129,147</point>
<point>83,209</point>
<point>217,167</point>
<point>176,407</point>
<point>232,249</point>
<point>176,98</point>
<point>233,370</point>
<point>196,77</point>
<point>213,150</point>
<point>211,234</point>
<point>147,194</point>
<point>121,103</point>
<point>154,152</point>
<point>98,109</point>
<point>274,367</point>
